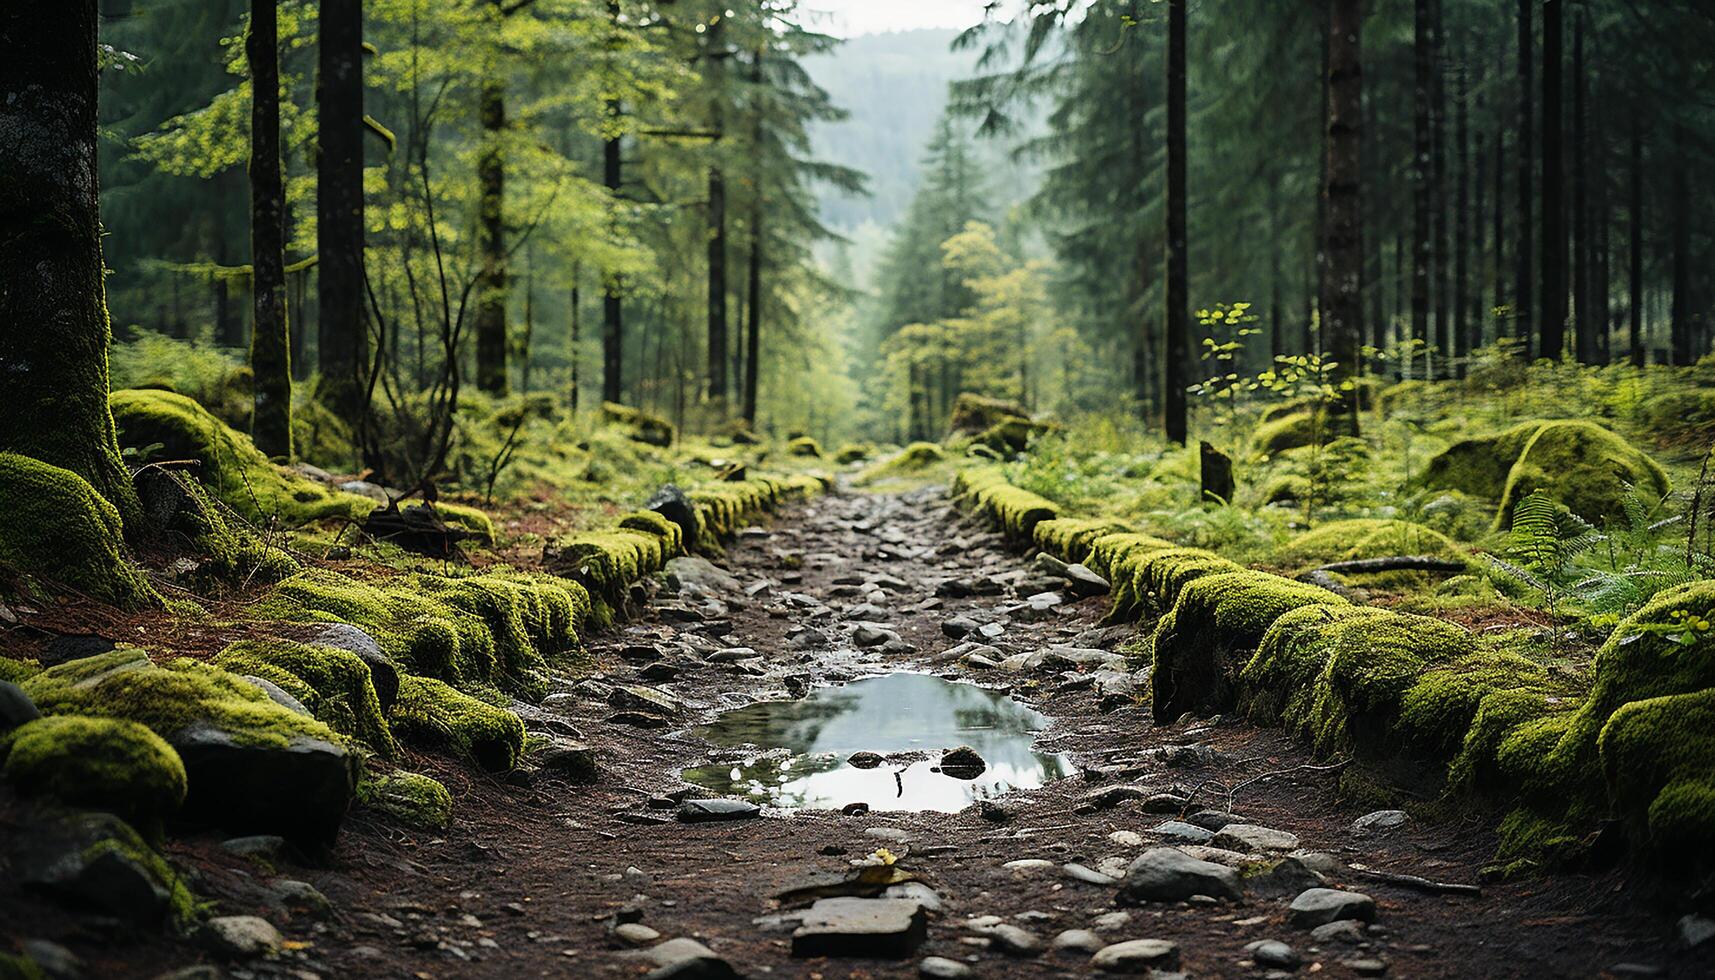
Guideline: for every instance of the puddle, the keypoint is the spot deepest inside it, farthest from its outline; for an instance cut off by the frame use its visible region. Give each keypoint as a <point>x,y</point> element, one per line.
<point>807,742</point>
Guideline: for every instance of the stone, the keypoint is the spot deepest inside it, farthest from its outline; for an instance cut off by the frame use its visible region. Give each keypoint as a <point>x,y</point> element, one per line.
<point>915,891</point>
<point>1125,838</point>
<point>659,672</point>
<point>1250,837</point>
<point>1085,582</point>
<point>941,968</point>
<point>730,655</point>
<point>16,708</point>
<point>1273,953</point>
<point>1317,906</point>
<point>1695,930</point>
<point>1028,864</point>
<point>893,834</point>
<point>1165,874</point>
<point>1011,940</point>
<point>278,695</point>
<point>383,672</point>
<point>958,627</point>
<point>685,959</point>
<point>1163,803</point>
<point>1379,822</point>
<point>962,763</point>
<point>94,860</point>
<point>997,811</point>
<point>1347,931</point>
<point>711,811</point>
<point>635,697</point>
<point>1180,830</point>
<point>870,635</point>
<point>865,760</point>
<point>239,937</point>
<point>301,790</point>
<point>1078,941</point>
<point>263,847</point>
<point>637,719</point>
<point>1108,797</point>
<point>635,934</point>
<point>1320,862</point>
<point>568,759</point>
<point>1136,956</point>
<point>639,653</point>
<point>299,896</point>
<point>1288,876</point>
<point>1110,921</point>
<point>53,959</point>
<point>694,574</point>
<point>1369,966</point>
<point>1212,820</point>
<point>1088,876</point>
<point>873,928</point>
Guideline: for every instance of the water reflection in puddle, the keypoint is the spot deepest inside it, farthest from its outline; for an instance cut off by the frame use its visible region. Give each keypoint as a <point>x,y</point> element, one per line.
<point>893,713</point>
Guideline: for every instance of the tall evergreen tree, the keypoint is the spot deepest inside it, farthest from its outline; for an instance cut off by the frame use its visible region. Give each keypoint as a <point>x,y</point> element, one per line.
<point>343,324</point>
<point>270,335</point>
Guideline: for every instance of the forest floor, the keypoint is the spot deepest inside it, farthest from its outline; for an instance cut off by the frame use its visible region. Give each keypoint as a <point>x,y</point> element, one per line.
<point>531,878</point>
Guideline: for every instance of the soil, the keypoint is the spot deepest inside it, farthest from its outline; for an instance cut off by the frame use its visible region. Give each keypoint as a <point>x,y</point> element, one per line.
<point>534,869</point>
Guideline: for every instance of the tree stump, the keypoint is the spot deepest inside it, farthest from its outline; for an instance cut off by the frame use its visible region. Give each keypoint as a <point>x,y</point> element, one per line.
<point>1217,475</point>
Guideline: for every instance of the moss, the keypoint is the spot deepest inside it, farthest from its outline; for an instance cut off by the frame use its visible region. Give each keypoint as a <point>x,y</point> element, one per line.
<point>58,528</point>
<point>1119,557</point>
<point>117,766</point>
<point>1015,511</point>
<point>121,841</point>
<point>607,562</point>
<point>1163,574</point>
<point>1012,434</point>
<point>672,535</point>
<point>1278,685</point>
<point>1289,431</point>
<point>804,446</point>
<point>169,698</point>
<point>1070,538</point>
<point>1212,630</point>
<point>1658,758</point>
<point>974,413</point>
<point>433,715</point>
<point>470,518</point>
<point>227,462</point>
<point>334,684</point>
<point>19,968</point>
<point>231,551</point>
<point>18,671</point>
<point>1580,464</point>
<point>1365,538</point>
<point>854,452</point>
<point>912,459</point>
<point>639,425</point>
<point>723,507</point>
<point>1289,488</point>
<point>409,798</point>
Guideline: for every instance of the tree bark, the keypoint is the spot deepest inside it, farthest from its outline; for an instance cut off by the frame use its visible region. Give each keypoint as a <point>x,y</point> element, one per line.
<point>1175,362</point>
<point>1423,148</point>
<point>270,335</point>
<point>342,328</point>
<point>1585,319</point>
<point>1342,286</point>
<point>1679,324</point>
<point>1461,226</point>
<point>753,313</point>
<point>54,329</point>
<point>1553,330</point>
<point>491,287</point>
<point>1524,288</point>
<point>1635,243</point>
<point>717,286</point>
<point>1440,281</point>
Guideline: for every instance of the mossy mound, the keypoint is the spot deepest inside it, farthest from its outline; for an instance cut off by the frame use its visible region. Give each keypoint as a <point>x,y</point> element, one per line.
<point>804,446</point>
<point>228,550</point>
<point>854,452</point>
<point>18,671</point>
<point>1216,622</point>
<point>1120,557</point>
<point>639,425</point>
<point>1360,538</point>
<point>1580,464</point>
<point>973,413</point>
<point>228,463</point>
<point>725,506</point>
<point>472,519</point>
<point>607,562</point>
<point>334,684</point>
<point>1013,434</point>
<point>497,627</point>
<point>409,798</point>
<point>56,527</point>
<point>120,767</point>
<point>1016,511</point>
<point>914,458</point>
<point>1070,538</point>
<point>433,715</point>
<point>1290,431</point>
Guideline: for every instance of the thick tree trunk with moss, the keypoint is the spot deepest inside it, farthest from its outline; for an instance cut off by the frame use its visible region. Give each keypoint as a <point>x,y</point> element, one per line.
<point>491,286</point>
<point>270,338</point>
<point>342,327</point>
<point>53,312</point>
<point>1342,233</point>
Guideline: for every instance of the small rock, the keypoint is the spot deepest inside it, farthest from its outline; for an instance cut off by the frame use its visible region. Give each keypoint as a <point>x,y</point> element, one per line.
<point>1180,830</point>
<point>659,672</point>
<point>300,896</point>
<point>685,959</point>
<point>1085,582</point>
<point>1273,953</point>
<point>635,934</point>
<point>240,937</point>
<point>1369,966</point>
<point>1212,820</point>
<point>1379,822</point>
<point>941,968</point>
<point>962,763</point>
<point>16,708</point>
<point>710,811</point>
<point>959,627</point>
<point>1317,906</point>
<point>1110,921</point>
<point>996,811</point>
<point>1347,931</point>
<point>865,760</point>
<point>1695,930</point>
<point>1163,803</point>
<point>570,759</point>
<point>1136,956</point>
<point>1012,940</point>
<point>1088,876</point>
<point>635,697</point>
<point>1165,874</point>
<point>880,928</point>
<point>263,847</point>
<point>1078,941</point>
<point>1028,864</point>
<point>1108,797</point>
<point>1125,838</point>
<point>915,891</point>
<point>54,960</point>
<point>893,834</point>
<point>1250,837</point>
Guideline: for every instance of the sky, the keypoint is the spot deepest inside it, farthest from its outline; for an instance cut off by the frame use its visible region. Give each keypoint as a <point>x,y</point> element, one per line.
<point>849,18</point>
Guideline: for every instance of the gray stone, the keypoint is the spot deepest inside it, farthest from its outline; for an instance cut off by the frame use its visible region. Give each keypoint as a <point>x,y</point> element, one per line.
<point>1288,876</point>
<point>1320,862</point>
<point>301,790</point>
<point>1695,930</point>
<point>941,968</point>
<point>690,573</point>
<point>1078,941</point>
<point>1165,874</point>
<point>729,655</point>
<point>635,934</point>
<point>1180,830</point>
<point>1085,582</point>
<point>1163,803</point>
<point>1110,921</point>
<point>915,891</point>
<point>54,960</point>
<point>876,928</point>
<point>59,855</point>
<point>239,937</point>
<point>1011,940</point>
<point>1125,838</point>
<point>958,627</point>
<point>264,847</point>
<point>1273,953</point>
<point>659,672</point>
<point>299,896</point>
<point>278,695</point>
<point>16,708</point>
<point>685,959</point>
<point>1047,564</point>
<point>893,834</point>
<point>1379,822</point>
<point>1369,966</point>
<point>1108,797</point>
<point>1028,864</point>
<point>1250,837</point>
<point>383,672</point>
<point>1317,906</point>
<point>997,811</point>
<point>635,697</point>
<point>1212,820</point>
<point>711,811</point>
<point>569,759</point>
<point>1347,931</point>
<point>1088,876</point>
<point>1136,956</point>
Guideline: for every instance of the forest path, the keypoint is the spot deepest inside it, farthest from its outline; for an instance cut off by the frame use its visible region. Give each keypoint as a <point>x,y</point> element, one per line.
<point>531,878</point>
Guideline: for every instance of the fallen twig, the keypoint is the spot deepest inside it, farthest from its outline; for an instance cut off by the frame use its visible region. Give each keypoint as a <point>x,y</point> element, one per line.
<point>1417,882</point>
<point>1394,563</point>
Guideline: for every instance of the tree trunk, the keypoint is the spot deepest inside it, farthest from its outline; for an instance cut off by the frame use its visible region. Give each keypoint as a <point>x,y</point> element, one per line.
<point>491,286</point>
<point>1553,188</point>
<point>612,307</point>
<point>753,312</point>
<point>1461,226</point>
<point>1524,289</point>
<point>1680,325</point>
<point>1480,245</point>
<point>717,286</point>
<point>1176,358</point>
<point>53,309</point>
<point>342,331</point>
<point>270,336</point>
<point>1585,319</point>
<point>1342,234</point>
<point>577,318</point>
<point>1635,207</point>
<point>1423,149</point>
<point>1438,263</point>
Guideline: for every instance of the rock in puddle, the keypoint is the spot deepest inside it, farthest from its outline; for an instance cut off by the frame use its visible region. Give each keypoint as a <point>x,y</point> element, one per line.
<point>711,811</point>
<point>1136,956</point>
<point>1318,906</point>
<point>1165,874</point>
<point>885,928</point>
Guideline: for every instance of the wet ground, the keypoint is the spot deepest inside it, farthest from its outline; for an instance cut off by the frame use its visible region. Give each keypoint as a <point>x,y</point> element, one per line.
<point>851,600</point>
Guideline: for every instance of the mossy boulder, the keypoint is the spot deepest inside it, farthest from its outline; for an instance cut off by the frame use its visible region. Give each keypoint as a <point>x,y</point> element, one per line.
<point>912,459</point>
<point>97,861</point>
<point>1580,464</point>
<point>228,463</point>
<point>334,684</point>
<point>607,562</point>
<point>1212,630</point>
<point>973,414</point>
<point>251,765</point>
<point>104,764</point>
<point>854,452</point>
<point>57,528</point>
<point>409,798</point>
<point>1071,538</point>
<point>641,426</point>
<point>1013,434</point>
<point>434,715</point>
<point>1016,511</point>
<point>1364,537</point>
<point>1290,431</point>
<point>227,549</point>
<point>804,446</point>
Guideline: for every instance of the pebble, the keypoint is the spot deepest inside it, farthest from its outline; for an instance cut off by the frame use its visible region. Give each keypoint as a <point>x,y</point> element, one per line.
<point>709,811</point>
<point>1088,876</point>
<point>1078,941</point>
<point>1165,874</point>
<point>1212,820</point>
<point>1110,921</point>
<point>1028,864</point>
<point>1348,931</point>
<point>1274,953</point>
<point>1250,837</point>
<point>240,937</point>
<point>1317,906</point>
<point>1369,966</point>
<point>941,968</point>
<point>686,959</point>
<point>1012,940</point>
<point>635,934</point>
<point>1379,822</point>
<point>1695,930</point>
<point>893,834</point>
<point>1125,838</point>
<point>1136,956</point>
<point>1180,830</point>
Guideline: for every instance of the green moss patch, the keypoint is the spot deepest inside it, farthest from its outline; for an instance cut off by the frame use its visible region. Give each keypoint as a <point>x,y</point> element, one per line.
<point>1016,511</point>
<point>639,425</point>
<point>974,413</point>
<point>409,798</point>
<point>1290,431</point>
<point>433,715</point>
<point>1349,540</point>
<point>1071,538</point>
<point>804,446</point>
<point>117,766</point>
<point>334,684</point>
<point>57,528</point>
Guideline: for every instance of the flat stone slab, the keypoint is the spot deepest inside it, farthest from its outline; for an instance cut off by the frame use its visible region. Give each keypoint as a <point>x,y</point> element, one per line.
<point>1319,906</point>
<point>1166,874</point>
<point>1250,837</point>
<point>710,811</point>
<point>875,928</point>
<point>1136,956</point>
<point>685,959</point>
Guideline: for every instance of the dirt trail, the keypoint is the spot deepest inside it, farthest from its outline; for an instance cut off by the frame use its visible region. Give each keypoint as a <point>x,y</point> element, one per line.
<point>531,875</point>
